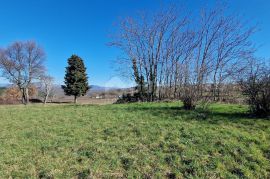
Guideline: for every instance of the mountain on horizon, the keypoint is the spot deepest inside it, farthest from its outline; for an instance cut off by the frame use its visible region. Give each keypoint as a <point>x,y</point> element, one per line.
<point>102,88</point>
<point>92,87</point>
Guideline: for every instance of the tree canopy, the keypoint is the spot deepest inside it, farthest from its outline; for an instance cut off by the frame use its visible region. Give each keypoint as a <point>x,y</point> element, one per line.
<point>76,80</point>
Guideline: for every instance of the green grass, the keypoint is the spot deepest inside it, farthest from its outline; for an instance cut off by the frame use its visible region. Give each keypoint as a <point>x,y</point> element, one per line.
<point>133,140</point>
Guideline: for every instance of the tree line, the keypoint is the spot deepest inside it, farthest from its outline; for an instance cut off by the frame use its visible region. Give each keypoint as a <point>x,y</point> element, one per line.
<point>170,54</point>
<point>178,55</point>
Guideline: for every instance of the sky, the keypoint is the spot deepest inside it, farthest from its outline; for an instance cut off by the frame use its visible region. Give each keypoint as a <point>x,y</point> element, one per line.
<point>83,27</point>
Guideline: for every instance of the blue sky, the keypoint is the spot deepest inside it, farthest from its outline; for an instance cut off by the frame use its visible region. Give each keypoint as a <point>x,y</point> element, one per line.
<point>83,27</point>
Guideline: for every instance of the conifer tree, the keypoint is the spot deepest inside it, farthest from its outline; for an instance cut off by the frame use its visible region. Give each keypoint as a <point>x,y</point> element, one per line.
<point>76,80</point>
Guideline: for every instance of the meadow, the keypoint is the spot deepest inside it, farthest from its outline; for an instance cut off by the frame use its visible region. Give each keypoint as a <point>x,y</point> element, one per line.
<point>142,140</point>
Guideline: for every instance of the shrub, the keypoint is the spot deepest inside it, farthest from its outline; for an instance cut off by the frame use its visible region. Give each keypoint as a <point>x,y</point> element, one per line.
<point>129,98</point>
<point>14,94</point>
<point>189,103</point>
<point>257,90</point>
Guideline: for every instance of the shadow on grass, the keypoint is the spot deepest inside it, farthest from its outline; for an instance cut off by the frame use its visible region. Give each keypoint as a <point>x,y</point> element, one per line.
<point>209,116</point>
<point>63,102</point>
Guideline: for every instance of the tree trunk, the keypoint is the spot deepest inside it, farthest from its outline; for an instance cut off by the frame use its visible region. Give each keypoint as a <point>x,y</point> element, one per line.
<point>75,99</point>
<point>45,99</point>
<point>27,95</point>
<point>25,98</point>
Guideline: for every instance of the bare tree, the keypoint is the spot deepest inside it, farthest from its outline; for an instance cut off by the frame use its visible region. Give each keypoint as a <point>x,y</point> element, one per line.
<point>21,63</point>
<point>46,87</point>
<point>145,42</point>
<point>221,43</point>
<point>176,57</point>
<point>232,48</point>
<point>255,85</point>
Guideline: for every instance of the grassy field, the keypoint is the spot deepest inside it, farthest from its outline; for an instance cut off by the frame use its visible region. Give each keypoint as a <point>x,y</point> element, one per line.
<point>133,140</point>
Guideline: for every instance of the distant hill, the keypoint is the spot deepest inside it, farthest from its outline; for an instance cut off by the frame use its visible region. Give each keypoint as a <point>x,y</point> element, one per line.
<point>58,91</point>
<point>96,88</point>
<point>93,89</point>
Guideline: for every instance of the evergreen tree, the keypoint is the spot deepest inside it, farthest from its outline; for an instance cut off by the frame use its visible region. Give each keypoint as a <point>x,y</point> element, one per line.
<point>76,80</point>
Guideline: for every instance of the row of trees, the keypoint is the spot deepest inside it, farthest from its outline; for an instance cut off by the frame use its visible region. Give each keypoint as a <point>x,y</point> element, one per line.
<point>22,63</point>
<point>171,55</point>
<point>168,54</point>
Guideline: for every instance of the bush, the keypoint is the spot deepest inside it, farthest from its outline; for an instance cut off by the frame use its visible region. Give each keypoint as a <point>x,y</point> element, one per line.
<point>257,90</point>
<point>189,103</point>
<point>129,98</point>
<point>14,92</point>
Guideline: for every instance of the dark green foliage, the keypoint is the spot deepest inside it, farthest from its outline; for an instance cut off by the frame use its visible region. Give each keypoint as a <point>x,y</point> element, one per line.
<point>139,79</point>
<point>141,94</point>
<point>132,98</point>
<point>128,98</point>
<point>76,80</point>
